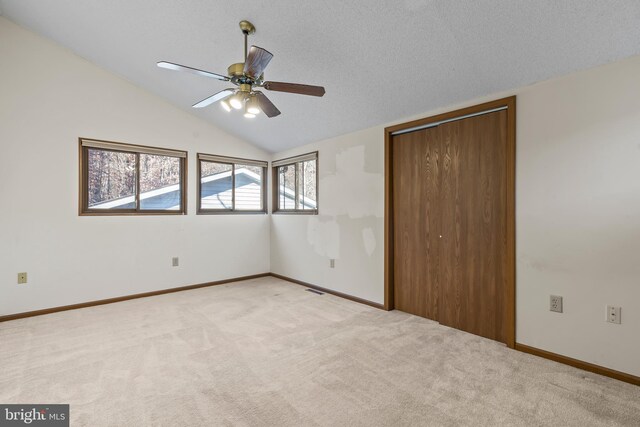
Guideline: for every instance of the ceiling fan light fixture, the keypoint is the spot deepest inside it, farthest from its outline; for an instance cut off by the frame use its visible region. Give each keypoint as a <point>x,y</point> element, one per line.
<point>247,111</point>
<point>236,101</point>
<point>252,106</point>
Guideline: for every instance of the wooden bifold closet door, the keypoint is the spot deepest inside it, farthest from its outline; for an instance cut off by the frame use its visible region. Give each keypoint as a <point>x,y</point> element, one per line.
<point>450,223</point>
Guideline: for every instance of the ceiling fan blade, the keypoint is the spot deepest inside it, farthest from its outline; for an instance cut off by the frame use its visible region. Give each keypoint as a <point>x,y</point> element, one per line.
<point>294,88</point>
<point>178,67</point>
<point>215,97</point>
<point>257,60</point>
<point>266,105</point>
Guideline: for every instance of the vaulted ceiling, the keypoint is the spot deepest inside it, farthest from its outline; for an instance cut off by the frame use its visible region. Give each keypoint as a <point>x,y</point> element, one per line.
<point>380,61</point>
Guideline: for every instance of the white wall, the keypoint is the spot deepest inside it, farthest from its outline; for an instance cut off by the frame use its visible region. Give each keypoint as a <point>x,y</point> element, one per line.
<point>578,214</point>
<point>350,224</point>
<point>50,97</point>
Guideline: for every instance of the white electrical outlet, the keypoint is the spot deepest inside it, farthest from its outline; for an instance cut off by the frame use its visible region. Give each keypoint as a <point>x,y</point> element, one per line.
<point>332,263</point>
<point>555,303</point>
<point>175,261</point>
<point>614,314</point>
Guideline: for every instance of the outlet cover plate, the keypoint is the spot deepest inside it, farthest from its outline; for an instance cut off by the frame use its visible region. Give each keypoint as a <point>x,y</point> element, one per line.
<point>614,314</point>
<point>175,261</point>
<point>22,278</point>
<point>555,303</point>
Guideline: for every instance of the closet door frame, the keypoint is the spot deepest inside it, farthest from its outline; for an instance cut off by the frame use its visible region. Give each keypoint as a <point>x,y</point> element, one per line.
<point>510,291</point>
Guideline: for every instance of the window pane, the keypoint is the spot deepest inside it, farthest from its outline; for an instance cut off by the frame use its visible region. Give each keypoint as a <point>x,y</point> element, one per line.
<point>248,187</point>
<point>307,185</point>
<point>286,186</point>
<point>215,185</point>
<point>111,179</point>
<point>160,182</point>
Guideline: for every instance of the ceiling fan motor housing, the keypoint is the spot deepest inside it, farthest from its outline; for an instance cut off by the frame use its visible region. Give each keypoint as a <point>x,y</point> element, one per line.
<point>237,76</point>
<point>236,70</point>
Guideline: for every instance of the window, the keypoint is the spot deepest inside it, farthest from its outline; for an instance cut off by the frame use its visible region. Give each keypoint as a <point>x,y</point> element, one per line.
<point>230,185</point>
<point>123,179</point>
<point>295,182</point>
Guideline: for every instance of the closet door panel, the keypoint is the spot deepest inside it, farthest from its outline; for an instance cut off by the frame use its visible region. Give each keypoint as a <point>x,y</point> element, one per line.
<point>473,209</point>
<point>416,181</point>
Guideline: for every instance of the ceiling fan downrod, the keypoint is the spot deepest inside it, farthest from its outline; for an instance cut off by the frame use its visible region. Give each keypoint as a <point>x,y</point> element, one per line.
<point>247,29</point>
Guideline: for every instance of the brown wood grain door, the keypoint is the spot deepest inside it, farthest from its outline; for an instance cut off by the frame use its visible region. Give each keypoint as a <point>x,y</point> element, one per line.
<point>450,223</point>
<point>473,225</point>
<point>416,183</point>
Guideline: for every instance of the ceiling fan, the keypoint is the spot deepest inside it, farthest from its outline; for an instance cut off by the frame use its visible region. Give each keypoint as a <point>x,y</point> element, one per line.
<point>247,76</point>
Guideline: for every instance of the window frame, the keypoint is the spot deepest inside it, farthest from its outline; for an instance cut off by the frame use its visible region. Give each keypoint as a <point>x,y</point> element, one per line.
<point>83,204</point>
<point>293,161</point>
<point>233,161</point>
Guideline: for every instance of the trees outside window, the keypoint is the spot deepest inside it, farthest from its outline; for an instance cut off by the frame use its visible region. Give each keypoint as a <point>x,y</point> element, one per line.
<point>130,179</point>
<point>296,184</point>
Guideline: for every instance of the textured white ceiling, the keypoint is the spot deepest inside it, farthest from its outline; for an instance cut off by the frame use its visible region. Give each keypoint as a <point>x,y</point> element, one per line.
<point>379,61</point>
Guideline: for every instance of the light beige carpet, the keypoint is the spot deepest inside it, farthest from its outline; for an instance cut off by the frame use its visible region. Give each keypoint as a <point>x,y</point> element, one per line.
<point>268,353</point>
